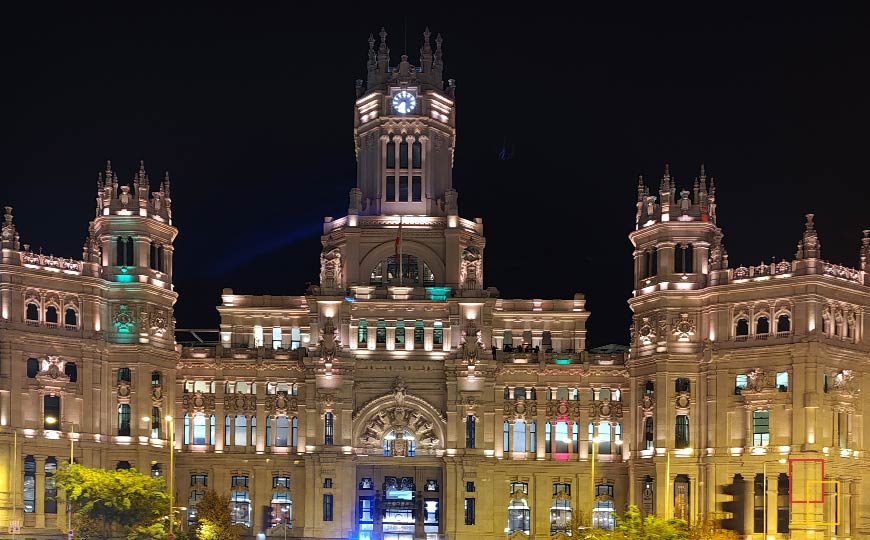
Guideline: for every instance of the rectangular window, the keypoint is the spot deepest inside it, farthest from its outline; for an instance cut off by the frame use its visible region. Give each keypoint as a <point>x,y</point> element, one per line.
<point>469,511</point>
<point>400,332</point>
<point>241,431</point>
<point>682,431</point>
<point>258,335</point>
<point>51,408</point>
<point>403,189</point>
<point>29,488</point>
<point>281,481</point>
<point>295,338</point>
<point>391,188</point>
<point>362,332</point>
<point>469,431</point>
<point>438,333</point>
<point>740,384</point>
<point>418,332</point>
<point>760,428</point>
<point>416,188</point>
<point>50,487</point>
<point>366,514</point>
<point>565,488</point>
<point>782,381</point>
<point>533,437</point>
<point>327,507</point>
<point>430,511</point>
<point>469,487</point>
<point>276,337</point>
<point>381,334</point>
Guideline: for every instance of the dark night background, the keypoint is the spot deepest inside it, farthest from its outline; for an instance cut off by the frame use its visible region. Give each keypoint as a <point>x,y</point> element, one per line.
<point>251,112</point>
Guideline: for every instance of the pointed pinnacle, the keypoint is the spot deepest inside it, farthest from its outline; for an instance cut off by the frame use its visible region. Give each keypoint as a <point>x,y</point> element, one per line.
<point>703,173</point>
<point>383,34</point>
<point>108,166</point>
<point>426,34</point>
<point>371,41</point>
<point>141,165</point>
<point>439,40</point>
<point>667,169</point>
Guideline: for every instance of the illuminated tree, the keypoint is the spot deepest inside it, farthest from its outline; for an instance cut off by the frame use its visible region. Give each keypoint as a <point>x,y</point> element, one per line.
<point>213,520</point>
<point>122,501</point>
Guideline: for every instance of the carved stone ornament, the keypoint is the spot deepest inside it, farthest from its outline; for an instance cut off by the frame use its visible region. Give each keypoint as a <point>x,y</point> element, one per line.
<point>158,324</point>
<point>123,319</point>
<point>330,267</point>
<point>605,410</point>
<point>240,403</point>
<point>327,404</point>
<point>520,409</point>
<point>157,393</point>
<point>124,391</point>
<point>328,342</point>
<point>757,381</point>
<point>563,410</point>
<point>471,270</point>
<point>683,400</point>
<point>647,332</point>
<point>470,405</point>
<point>684,328</point>
<point>648,403</point>
<point>843,382</point>
<point>281,405</point>
<point>197,402</point>
<point>51,371</point>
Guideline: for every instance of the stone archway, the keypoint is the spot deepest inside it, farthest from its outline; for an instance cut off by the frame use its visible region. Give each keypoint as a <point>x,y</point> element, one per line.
<point>409,247</point>
<point>399,411</point>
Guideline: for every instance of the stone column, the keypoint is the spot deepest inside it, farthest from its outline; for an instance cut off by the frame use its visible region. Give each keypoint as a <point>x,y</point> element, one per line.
<point>552,438</point>
<point>510,447</point>
<point>770,502</point>
<point>748,504</point>
<point>40,491</point>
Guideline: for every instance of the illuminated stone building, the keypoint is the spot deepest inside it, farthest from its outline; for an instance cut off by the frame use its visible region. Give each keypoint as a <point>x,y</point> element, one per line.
<point>399,398</point>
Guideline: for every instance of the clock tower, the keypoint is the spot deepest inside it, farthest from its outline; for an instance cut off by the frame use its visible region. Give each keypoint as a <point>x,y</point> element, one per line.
<point>402,226</point>
<point>404,130</point>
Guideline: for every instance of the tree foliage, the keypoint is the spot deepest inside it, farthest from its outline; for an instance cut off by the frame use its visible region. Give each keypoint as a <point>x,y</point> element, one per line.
<point>213,519</point>
<point>633,526</point>
<point>133,503</point>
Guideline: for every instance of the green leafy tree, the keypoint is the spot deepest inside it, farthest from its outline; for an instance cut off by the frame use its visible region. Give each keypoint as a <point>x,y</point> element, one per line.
<point>633,526</point>
<point>125,501</point>
<point>213,519</point>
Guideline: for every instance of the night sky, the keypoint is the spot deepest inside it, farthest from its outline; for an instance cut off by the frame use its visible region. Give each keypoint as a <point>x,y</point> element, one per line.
<point>252,114</point>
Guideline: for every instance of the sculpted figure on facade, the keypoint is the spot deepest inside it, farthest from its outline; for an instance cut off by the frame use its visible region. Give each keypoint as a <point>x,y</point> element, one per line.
<point>330,267</point>
<point>329,343</point>
<point>471,271</point>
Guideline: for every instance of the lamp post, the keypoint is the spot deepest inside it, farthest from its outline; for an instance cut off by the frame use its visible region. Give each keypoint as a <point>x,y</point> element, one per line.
<point>595,440</point>
<point>171,424</point>
<point>764,497</point>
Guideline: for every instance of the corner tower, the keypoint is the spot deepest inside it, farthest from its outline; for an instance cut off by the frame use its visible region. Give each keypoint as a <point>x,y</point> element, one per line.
<point>131,240</point>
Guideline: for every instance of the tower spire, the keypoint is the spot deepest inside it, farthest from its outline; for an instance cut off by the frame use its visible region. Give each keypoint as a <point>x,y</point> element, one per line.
<point>666,179</point>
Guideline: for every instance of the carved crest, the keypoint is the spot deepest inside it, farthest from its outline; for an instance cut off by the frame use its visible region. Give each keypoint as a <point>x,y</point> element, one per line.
<point>520,409</point>
<point>123,319</point>
<point>240,403</point>
<point>684,328</point>
<point>648,403</point>
<point>197,402</point>
<point>647,331</point>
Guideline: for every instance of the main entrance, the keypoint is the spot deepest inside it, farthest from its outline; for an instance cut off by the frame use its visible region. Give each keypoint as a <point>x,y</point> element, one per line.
<point>398,503</point>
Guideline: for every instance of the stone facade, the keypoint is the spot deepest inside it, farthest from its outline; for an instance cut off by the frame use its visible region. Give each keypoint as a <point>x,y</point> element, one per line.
<point>399,398</point>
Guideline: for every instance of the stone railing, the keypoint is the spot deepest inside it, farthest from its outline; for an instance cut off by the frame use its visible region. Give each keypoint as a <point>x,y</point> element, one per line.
<point>840,271</point>
<point>50,261</point>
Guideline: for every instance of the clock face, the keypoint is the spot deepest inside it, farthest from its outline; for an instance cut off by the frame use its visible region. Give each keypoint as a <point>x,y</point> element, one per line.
<point>404,102</point>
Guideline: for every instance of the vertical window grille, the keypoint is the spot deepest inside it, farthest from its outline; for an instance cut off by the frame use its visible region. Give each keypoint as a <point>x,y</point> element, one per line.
<point>228,431</point>
<point>758,504</point>
<point>782,505</point>
<point>269,431</point>
<point>328,429</point>
<point>469,431</point>
<point>469,511</point>
<point>327,507</point>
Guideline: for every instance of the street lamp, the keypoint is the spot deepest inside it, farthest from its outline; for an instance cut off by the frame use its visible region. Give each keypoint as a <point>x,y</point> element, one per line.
<point>595,441</point>
<point>764,498</point>
<point>169,420</point>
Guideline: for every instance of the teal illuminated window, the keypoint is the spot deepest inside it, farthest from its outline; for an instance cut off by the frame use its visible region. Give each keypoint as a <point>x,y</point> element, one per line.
<point>400,332</point>
<point>381,333</point>
<point>362,333</point>
<point>418,332</point>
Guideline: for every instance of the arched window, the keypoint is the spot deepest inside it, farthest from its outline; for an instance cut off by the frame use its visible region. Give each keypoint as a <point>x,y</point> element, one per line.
<point>683,259</point>
<point>648,433</point>
<point>417,155</point>
<point>32,312</point>
<point>50,501</point>
<point>742,328</point>
<point>71,371</point>
<point>70,317</point>
<point>29,491</point>
<point>328,429</point>
<point>281,428</point>
<point>129,253</point>
<point>783,323</point>
<point>124,420</point>
<point>120,251</point>
<point>413,270</point>
<point>391,155</point>
<point>681,433</point>
<point>199,428</point>
<point>762,326</point>
<point>32,368</point>
<point>51,315</point>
